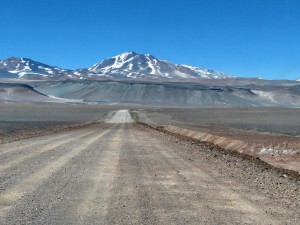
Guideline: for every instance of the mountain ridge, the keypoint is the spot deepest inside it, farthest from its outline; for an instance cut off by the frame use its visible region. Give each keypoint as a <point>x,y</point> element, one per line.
<point>28,68</point>
<point>125,65</point>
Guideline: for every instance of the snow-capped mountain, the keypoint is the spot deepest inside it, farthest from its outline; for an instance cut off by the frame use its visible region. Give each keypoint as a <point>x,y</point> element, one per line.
<point>125,65</point>
<point>133,65</point>
<point>27,68</point>
<point>298,79</point>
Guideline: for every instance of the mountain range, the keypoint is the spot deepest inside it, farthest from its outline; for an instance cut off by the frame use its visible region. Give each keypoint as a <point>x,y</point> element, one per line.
<point>126,65</point>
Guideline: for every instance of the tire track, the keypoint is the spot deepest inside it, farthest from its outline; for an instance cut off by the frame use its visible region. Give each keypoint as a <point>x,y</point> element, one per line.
<point>34,153</point>
<point>151,167</point>
<point>94,204</point>
<point>28,144</point>
<point>130,201</point>
<point>29,184</point>
<point>12,173</point>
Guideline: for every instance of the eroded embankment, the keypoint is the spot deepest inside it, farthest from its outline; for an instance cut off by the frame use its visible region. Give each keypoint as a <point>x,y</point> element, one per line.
<point>232,147</point>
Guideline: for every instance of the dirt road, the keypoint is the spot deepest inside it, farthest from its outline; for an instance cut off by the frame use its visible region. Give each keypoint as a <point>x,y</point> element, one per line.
<point>118,173</point>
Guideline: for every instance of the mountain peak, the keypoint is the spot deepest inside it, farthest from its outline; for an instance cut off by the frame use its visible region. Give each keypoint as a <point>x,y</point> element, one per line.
<point>28,68</point>
<point>17,58</point>
<point>130,52</point>
<point>14,59</point>
<point>125,55</point>
<point>131,64</point>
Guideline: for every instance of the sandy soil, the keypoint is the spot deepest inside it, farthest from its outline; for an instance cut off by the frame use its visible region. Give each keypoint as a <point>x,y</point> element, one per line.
<point>271,120</point>
<point>122,173</point>
<point>18,116</point>
<point>271,134</point>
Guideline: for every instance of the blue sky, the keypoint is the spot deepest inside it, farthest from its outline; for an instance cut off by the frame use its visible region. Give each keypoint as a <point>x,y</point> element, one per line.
<point>253,38</point>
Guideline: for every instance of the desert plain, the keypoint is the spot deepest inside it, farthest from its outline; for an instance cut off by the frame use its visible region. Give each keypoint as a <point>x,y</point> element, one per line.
<point>70,158</point>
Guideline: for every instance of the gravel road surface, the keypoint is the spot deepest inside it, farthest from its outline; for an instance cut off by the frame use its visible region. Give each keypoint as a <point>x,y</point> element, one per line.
<point>119,173</point>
